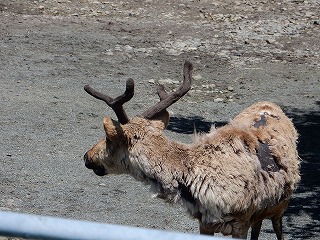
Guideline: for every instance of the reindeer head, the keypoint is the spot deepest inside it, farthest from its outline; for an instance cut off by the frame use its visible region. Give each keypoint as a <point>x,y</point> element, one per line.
<point>110,155</point>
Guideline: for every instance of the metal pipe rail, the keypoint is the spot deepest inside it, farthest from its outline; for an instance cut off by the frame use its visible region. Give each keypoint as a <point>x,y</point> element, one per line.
<point>43,227</point>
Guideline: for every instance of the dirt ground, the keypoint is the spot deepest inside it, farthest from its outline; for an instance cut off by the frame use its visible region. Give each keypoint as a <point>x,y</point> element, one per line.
<point>243,51</point>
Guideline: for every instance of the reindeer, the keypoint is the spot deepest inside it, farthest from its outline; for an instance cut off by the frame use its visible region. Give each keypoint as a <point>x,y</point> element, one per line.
<point>230,179</point>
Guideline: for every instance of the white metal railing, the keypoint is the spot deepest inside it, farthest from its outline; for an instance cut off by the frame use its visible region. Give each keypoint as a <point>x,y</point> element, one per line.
<point>43,227</point>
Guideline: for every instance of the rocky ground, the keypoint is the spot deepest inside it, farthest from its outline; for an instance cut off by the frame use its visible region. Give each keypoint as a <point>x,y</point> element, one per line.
<point>242,51</point>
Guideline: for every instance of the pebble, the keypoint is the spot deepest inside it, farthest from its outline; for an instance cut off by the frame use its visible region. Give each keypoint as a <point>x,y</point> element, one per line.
<point>218,100</point>
<point>209,86</point>
<point>141,50</point>
<point>168,81</point>
<point>270,41</point>
<point>109,53</point>
<point>118,48</point>
<point>230,88</point>
<point>197,77</point>
<point>128,48</point>
<point>173,52</point>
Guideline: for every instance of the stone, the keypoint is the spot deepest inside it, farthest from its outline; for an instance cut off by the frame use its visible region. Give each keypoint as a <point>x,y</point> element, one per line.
<point>197,77</point>
<point>230,88</point>
<point>168,81</point>
<point>218,100</point>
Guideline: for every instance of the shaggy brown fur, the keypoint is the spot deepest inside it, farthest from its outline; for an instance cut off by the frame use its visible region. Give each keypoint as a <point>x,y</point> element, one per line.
<point>229,179</point>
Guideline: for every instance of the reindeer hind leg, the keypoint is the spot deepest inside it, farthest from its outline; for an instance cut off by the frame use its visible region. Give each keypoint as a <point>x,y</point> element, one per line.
<point>255,229</point>
<point>277,227</point>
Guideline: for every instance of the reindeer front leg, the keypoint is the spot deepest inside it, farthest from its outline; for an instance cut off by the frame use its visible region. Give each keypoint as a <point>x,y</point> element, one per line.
<point>255,229</point>
<point>205,230</point>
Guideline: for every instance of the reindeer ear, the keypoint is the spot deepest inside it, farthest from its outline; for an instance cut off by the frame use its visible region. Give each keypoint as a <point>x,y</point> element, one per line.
<point>164,117</point>
<point>113,129</point>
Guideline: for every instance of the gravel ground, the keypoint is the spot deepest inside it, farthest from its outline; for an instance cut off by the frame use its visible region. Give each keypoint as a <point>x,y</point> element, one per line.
<point>243,52</point>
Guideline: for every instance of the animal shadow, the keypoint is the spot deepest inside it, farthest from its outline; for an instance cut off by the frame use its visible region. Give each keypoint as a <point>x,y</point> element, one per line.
<point>188,125</point>
<point>305,204</point>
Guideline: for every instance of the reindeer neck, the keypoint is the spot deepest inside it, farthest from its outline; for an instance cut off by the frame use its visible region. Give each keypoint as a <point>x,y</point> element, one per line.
<point>161,162</point>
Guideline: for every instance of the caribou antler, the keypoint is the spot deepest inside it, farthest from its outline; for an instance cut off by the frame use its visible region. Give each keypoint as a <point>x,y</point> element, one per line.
<point>168,99</point>
<point>152,113</point>
<point>115,103</point>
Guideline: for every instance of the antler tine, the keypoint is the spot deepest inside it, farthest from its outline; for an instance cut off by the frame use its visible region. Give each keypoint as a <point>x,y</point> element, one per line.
<point>115,103</point>
<point>168,99</point>
<point>161,92</point>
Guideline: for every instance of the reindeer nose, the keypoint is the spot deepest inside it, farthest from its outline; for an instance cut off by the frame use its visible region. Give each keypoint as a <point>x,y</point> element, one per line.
<point>87,161</point>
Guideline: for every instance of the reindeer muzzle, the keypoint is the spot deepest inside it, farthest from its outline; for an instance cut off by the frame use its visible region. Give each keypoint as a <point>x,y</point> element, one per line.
<point>97,169</point>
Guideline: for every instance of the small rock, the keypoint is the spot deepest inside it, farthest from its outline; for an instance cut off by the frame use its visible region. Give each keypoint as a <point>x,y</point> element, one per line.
<point>223,53</point>
<point>128,48</point>
<point>218,100</point>
<point>316,22</point>
<point>190,49</point>
<point>208,86</point>
<point>197,77</point>
<point>173,52</point>
<point>168,81</point>
<point>117,48</point>
<point>309,14</point>
<point>230,88</point>
<point>237,53</point>
<point>141,50</point>
<point>109,53</point>
<point>152,81</point>
<point>270,41</point>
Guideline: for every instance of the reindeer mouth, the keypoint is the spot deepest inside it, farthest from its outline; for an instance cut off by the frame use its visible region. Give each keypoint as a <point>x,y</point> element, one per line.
<point>98,170</point>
